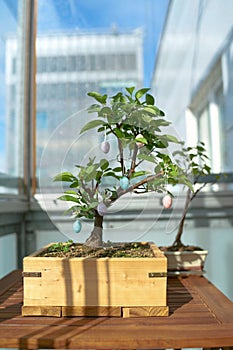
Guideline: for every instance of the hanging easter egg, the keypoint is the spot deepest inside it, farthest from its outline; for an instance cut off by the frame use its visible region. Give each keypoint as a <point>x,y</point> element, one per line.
<point>77,226</point>
<point>102,209</point>
<point>139,144</point>
<point>105,146</point>
<point>167,201</point>
<point>124,183</point>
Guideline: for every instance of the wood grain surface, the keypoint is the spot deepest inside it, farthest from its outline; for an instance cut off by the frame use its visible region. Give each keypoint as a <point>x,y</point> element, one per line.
<point>200,316</point>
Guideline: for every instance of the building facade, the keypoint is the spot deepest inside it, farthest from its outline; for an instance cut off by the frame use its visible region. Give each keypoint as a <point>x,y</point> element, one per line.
<point>69,66</point>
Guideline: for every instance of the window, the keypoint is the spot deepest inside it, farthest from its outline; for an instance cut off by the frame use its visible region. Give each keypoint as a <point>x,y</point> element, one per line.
<point>11,118</point>
<point>213,119</point>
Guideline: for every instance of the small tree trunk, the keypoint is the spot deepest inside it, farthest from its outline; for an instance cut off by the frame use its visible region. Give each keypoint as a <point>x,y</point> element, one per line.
<point>178,242</point>
<point>96,237</point>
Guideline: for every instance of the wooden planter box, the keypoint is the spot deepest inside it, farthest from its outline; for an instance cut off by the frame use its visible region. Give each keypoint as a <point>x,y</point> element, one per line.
<point>127,287</point>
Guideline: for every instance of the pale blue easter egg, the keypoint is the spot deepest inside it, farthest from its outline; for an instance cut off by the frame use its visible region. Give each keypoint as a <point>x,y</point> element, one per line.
<point>77,226</point>
<point>102,209</point>
<point>124,183</point>
<point>105,146</point>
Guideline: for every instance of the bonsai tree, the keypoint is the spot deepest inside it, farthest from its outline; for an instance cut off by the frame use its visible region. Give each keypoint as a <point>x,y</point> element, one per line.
<point>137,125</point>
<point>194,160</point>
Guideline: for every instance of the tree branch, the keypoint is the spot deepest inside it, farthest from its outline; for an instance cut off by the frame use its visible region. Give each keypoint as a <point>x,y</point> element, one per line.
<point>119,147</point>
<point>121,192</point>
<point>87,189</point>
<point>121,155</point>
<point>133,162</point>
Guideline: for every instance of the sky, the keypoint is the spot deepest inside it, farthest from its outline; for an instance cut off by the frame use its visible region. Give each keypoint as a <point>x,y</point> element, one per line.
<point>92,15</point>
<point>85,15</point>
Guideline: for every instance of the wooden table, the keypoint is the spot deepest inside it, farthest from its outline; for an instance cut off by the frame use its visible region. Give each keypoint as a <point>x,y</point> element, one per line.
<point>200,316</point>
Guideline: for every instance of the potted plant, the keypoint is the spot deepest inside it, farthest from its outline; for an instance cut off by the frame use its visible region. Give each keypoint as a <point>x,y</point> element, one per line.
<point>188,258</point>
<point>138,125</point>
<point>102,286</point>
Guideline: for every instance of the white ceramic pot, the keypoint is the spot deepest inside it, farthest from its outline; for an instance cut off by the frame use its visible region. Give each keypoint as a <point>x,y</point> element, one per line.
<point>190,261</point>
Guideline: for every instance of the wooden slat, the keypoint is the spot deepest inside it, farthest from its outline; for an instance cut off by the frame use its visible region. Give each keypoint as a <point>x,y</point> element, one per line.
<point>217,302</point>
<point>116,311</point>
<point>54,311</point>
<point>91,311</point>
<point>142,336</point>
<point>145,311</point>
<point>9,280</point>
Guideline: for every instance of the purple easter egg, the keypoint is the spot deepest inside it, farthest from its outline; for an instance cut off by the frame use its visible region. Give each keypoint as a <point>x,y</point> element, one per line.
<point>102,209</point>
<point>105,146</point>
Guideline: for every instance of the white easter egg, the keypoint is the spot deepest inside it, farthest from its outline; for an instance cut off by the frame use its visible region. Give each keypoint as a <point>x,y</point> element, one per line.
<point>139,144</point>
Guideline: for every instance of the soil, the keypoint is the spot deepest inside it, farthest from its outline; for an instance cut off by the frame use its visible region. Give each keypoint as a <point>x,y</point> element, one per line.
<point>119,250</point>
<point>181,248</point>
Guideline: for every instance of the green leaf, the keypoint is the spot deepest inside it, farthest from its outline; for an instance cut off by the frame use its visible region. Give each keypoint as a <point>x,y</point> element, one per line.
<point>146,157</point>
<point>105,112</point>
<point>71,192</point>
<point>98,176</point>
<point>161,122</point>
<point>120,134</point>
<point>93,108</point>
<point>130,90</point>
<point>69,198</point>
<point>89,169</point>
<point>119,97</point>
<point>185,181</point>
<point>151,110</point>
<point>90,172</point>
<point>170,138</point>
<point>98,97</point>
<point>71,209</point>
<point>146,118</point>
<point>200,149</point>
<point>139,173</point>
<point>127,107</point>
<point>92,124</point>
<point>104,163</point>
<point>65,176</point>
<point>142,140</point>
<point>117,169</point>
<point>150,99</point>
<point>111,174</point>
<point>207,169</point>
<point>101,129</point>
<point>75,184</point>
<point>141,92</point>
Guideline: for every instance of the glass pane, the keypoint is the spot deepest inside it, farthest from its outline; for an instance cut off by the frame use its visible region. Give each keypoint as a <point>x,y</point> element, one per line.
<point>194,59</point>
<point>11,140</point>
<point>87,46</point>
<point>8,262</point>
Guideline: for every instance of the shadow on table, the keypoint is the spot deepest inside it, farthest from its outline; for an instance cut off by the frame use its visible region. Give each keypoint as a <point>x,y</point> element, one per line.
<point>59,333</point>
<point>177,294</point>
<point>10,295</point>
